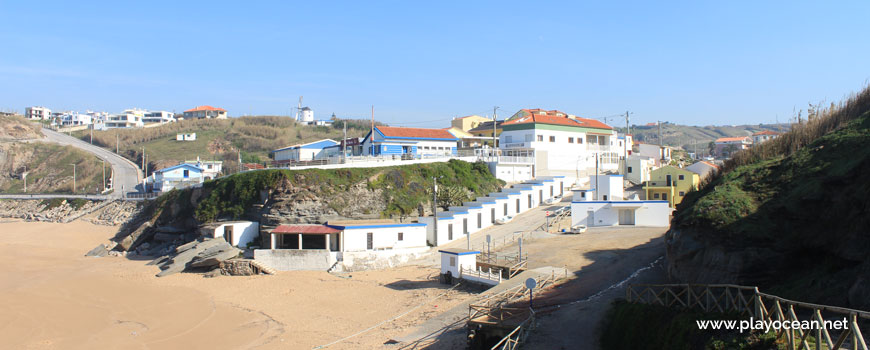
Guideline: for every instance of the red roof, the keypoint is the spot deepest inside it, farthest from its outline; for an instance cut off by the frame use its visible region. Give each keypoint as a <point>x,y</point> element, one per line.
<point>254,166</point>
<point>552,119</point>
<point>732,139</point>
<point>306,229</point>
<point>392,131</point>
<point>205,108</point>
<point>765,132</point>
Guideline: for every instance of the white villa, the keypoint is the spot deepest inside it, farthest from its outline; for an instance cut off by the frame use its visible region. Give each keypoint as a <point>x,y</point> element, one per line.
<point>130,118</point>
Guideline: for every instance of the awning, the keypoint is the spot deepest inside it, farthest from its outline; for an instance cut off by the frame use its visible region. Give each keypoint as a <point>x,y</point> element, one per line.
<point>305,229</point>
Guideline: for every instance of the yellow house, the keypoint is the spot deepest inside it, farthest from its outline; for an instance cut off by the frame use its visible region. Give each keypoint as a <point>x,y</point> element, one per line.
<point>671,184</point>
<point>468,122</point>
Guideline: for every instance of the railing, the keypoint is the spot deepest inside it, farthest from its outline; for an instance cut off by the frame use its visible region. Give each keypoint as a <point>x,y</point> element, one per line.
<point>516,337</point>
<point>141,196</point>
<point>480,274</point>
<point>518,145</point>
<point>748,301</point>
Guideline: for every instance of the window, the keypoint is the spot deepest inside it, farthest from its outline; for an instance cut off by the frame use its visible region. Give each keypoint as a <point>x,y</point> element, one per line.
<point>508,139</point>
<point>656,196</point>
<point>540,138</point>
<point>664,196</point>
<point>401,236</point>
<point>605,197</point>
<point>452,261</point>
<point>186,173</point>
<point>370,241</point>
<point>680,177</point>
<point>579,140</point>
<point>682,193</point>
<point>570,140</point>
<point>528,137</point>
<point>552,138</point>
<point>629,169</point>
<point>479,219</point>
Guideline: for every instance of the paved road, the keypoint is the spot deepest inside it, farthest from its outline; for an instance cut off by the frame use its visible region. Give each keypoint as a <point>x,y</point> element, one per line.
<point>127,176</point>
<point>49,196</point>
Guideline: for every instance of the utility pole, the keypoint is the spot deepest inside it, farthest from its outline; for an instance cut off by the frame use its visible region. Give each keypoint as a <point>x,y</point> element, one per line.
<point>104,174</point>
<point>92,134</point>
<point>494,122</point>
<point>435,207</point>
<point>240,160</point>
<point>372,134</point>
<point>25,178</point>
<point>344,145</point>
<point>74,177</point>
<point>661,143</point>
<point>625,146</point>
<point>597,189</point>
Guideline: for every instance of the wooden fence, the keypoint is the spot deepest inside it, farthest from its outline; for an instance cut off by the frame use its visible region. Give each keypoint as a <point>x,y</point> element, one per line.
<point>748,301</point>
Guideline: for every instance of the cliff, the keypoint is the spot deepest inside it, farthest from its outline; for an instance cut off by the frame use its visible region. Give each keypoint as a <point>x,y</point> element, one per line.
<point>793,223</point>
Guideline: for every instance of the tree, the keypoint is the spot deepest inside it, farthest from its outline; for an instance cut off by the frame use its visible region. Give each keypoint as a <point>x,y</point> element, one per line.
<point>711,146</point>
<point>451,196</point>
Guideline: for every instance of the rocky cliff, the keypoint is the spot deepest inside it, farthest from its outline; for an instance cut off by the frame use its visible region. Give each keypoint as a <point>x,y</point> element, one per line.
<point>796,225</point>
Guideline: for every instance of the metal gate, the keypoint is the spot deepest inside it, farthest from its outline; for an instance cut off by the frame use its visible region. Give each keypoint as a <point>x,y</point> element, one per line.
<point>626,216</point>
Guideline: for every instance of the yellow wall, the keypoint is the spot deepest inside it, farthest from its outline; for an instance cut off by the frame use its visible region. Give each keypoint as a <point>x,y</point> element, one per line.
<point>658,182</point>
<point>468,123</point>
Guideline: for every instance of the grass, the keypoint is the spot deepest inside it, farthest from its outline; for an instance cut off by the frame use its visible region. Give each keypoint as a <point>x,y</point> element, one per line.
<point>50,169</point>
<point>403,188</point>
<point>640,326</point>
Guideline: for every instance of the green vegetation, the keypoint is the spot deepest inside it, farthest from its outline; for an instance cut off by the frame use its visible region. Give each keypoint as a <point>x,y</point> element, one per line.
<point>696,138</point>
<point>217,139</point>
<point>404,188</point>
<point>50,169</point>
<point>641,326</point>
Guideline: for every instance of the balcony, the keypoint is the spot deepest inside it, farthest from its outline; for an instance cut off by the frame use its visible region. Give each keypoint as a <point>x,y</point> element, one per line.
<point>518,145</point>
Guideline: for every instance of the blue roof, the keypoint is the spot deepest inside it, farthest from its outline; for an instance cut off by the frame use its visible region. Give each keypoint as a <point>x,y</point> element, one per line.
<point>182,165</point>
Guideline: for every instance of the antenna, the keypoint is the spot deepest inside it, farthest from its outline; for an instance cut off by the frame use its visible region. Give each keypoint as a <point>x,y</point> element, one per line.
<point>299,107</point>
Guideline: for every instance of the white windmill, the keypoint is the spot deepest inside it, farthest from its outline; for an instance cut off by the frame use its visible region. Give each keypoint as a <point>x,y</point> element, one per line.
<point>307,113</point>
<point>296,118</point>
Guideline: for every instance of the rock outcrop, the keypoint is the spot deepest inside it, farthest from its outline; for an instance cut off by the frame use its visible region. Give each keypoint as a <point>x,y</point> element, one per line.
<point>202,253</point>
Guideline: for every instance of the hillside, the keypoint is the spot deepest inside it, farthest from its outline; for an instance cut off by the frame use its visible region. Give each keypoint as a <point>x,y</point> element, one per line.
<point>696,138</point>
<point>217,139</point>
<point>312,196</point>
<point>18,128</point>
<point>790,216</point>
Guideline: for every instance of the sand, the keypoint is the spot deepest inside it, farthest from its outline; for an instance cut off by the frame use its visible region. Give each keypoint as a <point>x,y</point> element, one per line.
<point>55,298</point>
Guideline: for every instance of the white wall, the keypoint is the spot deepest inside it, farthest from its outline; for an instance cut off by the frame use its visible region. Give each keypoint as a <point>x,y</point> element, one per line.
<point>648,213</point>
<point>243,232</point>
<point>384,236</point>
<point>609,185</point>
<point>469,261</point>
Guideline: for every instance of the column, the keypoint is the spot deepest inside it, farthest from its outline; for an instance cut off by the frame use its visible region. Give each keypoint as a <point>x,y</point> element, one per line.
<point>326,241</point>
<point>300,240</point>
<point>272,241</point>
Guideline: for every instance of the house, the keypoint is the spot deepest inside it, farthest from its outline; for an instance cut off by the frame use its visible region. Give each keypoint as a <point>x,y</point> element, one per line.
<point>671,184</point>
<point>303,152</point>
<point>177,176</point>
<point>409,143</point>
<point>158,117</point>
<point>607,187</point>
<point>130,118</point>
<point>189,136</point>
<point>661,154</point>
<point>484,130</point>
<point>211,169</point>
<point>591,213</point>
<point>726,146</point>
<point>74,119</point>
<point>562,144</point>
<point>765,135</point>
<point>205,112</point>
<point>703,168</point>
<point>37,113</point>
<point>354,244</point>
<point>638,169</point>
<point>469,122</point>
<point>236,233</point>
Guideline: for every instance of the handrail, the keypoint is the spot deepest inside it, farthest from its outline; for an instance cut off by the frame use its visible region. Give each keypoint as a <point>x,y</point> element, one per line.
<point>761,306</point>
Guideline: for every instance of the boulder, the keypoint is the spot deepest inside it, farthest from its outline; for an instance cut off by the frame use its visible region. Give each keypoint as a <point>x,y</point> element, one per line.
<point>98,251</point>
<point>197,254</point>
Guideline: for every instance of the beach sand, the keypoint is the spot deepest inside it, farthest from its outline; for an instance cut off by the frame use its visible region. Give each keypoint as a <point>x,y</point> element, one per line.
<point>53,297</point>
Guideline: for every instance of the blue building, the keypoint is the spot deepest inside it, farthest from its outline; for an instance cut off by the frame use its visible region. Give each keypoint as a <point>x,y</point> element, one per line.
<point>177,176</point>
<point>409,142</point>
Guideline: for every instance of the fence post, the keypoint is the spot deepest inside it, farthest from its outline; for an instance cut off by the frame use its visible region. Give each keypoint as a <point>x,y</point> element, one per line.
<point>757,298</point>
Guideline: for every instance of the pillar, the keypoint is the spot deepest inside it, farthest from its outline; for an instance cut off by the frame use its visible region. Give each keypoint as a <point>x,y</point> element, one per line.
<point>272,242</point>
<point>299,236</point>
<point>326,241</point>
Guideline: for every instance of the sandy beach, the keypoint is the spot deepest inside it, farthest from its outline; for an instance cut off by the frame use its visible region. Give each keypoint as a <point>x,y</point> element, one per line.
<point>55,298</point>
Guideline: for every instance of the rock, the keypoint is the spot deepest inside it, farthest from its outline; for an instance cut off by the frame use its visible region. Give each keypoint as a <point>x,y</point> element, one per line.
<point>138,236</point>
<point>98,251</point>
<point>199,253</point>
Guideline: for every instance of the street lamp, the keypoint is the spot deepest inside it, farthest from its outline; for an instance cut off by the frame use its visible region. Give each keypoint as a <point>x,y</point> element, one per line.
<point>74,177</point>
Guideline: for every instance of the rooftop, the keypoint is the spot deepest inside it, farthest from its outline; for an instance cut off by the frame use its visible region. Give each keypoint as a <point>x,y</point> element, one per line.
<point>205,108</point>
<point>765,132</point>
<point>305,229</point>
<point>732,139</point>
<point>557,120</point>
<point>400,132</point>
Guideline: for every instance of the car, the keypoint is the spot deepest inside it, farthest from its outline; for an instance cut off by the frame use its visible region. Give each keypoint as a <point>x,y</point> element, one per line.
<point>577,229</point>
<point>561,210</point>
<point>504,220</point>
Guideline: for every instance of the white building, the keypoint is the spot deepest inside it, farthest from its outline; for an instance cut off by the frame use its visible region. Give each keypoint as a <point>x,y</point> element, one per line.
<point>620,213</point>
<point>639,168</point>
<point>37,113</point>
<point>189,136</point>
<point>205,112</point>
<point>158,117</point>
<point>703,169</point>
<point>562,144</point>
<point>763,136</point>
<point>177,176</point>
<point>130,118</point>
<point>302,153</point>
<point>74,119</point>
<point>236,233</point>
<point>410,143</point>
<point>211,169</point>
<point>607,187</point>
<point>656,152</point>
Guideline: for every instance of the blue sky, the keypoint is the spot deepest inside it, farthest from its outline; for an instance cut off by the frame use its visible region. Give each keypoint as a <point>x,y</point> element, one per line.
<point>422,63</point>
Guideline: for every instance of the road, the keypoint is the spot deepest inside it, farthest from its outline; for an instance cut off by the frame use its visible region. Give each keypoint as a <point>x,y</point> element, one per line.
<point>127,176</point>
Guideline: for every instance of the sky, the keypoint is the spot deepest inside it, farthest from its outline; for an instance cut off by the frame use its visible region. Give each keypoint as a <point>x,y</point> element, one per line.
<point>422,63</point>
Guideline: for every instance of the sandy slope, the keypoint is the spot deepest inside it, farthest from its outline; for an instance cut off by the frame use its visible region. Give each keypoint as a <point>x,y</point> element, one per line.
<point>55,298</point>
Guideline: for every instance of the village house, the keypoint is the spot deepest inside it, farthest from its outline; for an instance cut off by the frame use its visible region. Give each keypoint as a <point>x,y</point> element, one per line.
<point>37,113</point>
<point>726,146</point>
<point>205,112</point>
<point>671,184</point>
<point>211,169</point>
<point>130,118</point>
<point>409,143</point>
<point>763,136</point>
<point>302,152</point>
<point>661,154</point>
<point>562,144</point>
<point>638,169</point>
<point>177,176</point>
<point>236,233</point>
<point>703,169</point>
<point>606,206</point>
<point>158,117</point>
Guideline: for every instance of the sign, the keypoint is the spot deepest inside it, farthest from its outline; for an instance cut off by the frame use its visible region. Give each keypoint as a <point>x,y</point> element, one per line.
<point>531,283</point>
<point>488,239</point>
<point>547,213</point>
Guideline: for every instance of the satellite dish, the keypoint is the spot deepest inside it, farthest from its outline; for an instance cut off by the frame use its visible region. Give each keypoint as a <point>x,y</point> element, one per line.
<point>488,238</point>
<point>531,283</point>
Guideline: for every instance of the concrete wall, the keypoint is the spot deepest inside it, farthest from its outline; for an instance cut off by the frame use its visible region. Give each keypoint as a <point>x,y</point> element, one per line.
<point>382,259</point>
<point>385,236</point>
<point>609,186</point>
<point>606,213</point>
<point>295,259</point>
<point>243,232</point>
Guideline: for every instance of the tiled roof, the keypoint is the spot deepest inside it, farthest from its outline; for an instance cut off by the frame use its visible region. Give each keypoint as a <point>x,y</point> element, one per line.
<point>205,108</point>
<point>392,131</point>
<point>554,120</point>
<point>731,139</point>
<point>306,229</point>
<point>765,132</point>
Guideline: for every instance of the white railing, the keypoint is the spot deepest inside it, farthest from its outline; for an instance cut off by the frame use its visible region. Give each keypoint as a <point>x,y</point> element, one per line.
<point>516,160</point>
<point>517,145</point>
<point>480,275</point>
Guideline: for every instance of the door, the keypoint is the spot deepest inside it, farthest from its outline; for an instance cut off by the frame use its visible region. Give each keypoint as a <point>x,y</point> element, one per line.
<point>505,210</point>
<point>626,216</point>
<point>370,241</point>
<point>228,234</point>
<point>518,205</point>
<point>464,226</point>
<point>492,215</point>
<point>540,196</point>
<point>449,232</point>
<point>479,220</point>
<point>590,218</point>
<point>530,201</point>
<point>668,180</point>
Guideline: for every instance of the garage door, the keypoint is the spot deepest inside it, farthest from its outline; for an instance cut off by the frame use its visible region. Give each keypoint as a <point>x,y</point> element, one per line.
<point>626,216</point>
